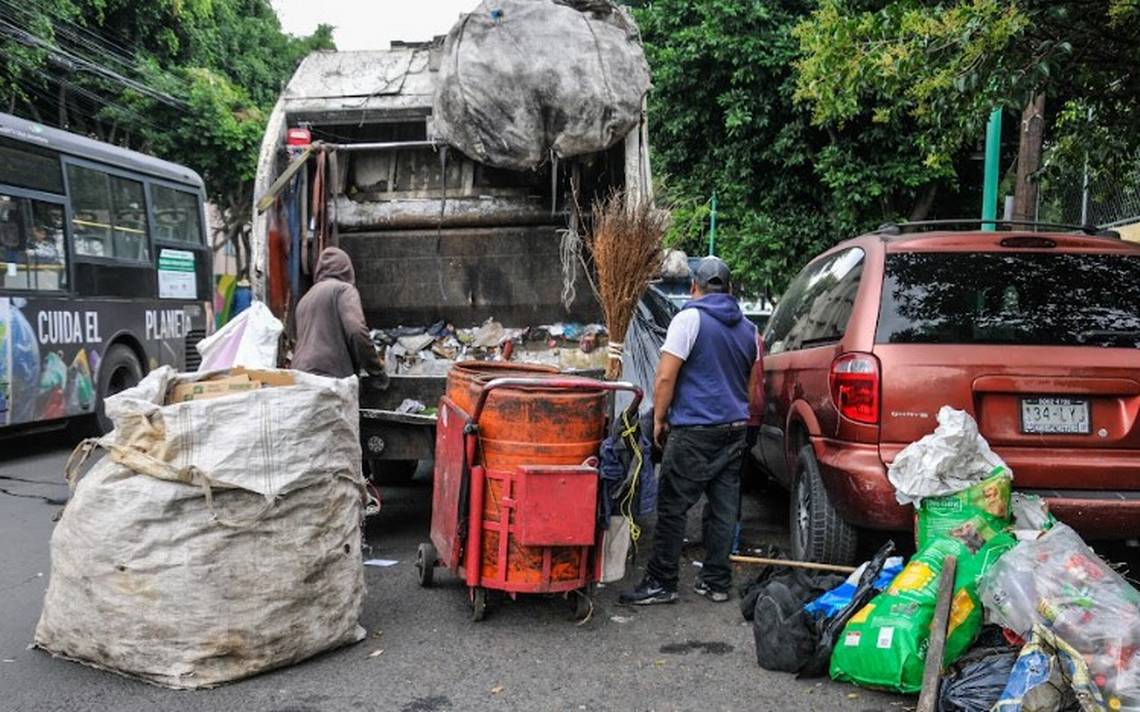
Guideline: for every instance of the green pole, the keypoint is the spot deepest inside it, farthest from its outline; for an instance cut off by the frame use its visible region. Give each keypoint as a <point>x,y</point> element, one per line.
<point>993,161</point>
<point>712,226</point>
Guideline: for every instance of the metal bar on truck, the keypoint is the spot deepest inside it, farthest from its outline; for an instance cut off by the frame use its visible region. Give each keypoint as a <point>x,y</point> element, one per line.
<point>384,146</point>
<point>266,200</point>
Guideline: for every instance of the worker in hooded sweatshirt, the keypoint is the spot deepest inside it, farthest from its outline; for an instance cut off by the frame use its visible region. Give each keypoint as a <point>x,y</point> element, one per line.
<point>332,337</point>
<point>700,419</point>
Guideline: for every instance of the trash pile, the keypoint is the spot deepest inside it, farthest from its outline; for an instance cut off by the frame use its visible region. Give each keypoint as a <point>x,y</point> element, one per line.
<point>433,350</point>
<point>217,538</point>
<point>1064,627</point>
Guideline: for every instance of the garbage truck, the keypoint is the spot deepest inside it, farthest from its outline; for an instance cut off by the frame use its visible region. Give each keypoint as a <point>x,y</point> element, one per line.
<point>456,256</point>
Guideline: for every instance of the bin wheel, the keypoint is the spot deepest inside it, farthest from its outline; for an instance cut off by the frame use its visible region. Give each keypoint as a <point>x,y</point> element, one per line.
<point>583,603</point>
<point>478,603</point>
<point>425,563</point>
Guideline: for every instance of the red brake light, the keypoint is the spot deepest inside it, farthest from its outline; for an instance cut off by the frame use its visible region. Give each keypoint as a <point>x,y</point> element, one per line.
<point>855,387</point>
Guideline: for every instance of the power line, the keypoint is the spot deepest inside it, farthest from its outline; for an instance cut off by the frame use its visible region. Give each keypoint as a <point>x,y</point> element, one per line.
<point>68,59</point>
<point>81,91</point>
<point>128,51</point>
<point>98,44</point>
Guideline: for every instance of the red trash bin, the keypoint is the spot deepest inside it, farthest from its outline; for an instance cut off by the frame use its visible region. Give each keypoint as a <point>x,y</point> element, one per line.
<point>515,491</point>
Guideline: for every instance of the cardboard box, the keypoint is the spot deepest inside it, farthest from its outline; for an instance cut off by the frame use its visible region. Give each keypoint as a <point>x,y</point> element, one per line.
<point>205,390</point>
<point>265,378</point>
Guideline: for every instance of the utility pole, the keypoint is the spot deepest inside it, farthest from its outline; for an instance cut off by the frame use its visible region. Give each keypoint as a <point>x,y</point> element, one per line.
<point>1029,159</point>
<point>993,160</point>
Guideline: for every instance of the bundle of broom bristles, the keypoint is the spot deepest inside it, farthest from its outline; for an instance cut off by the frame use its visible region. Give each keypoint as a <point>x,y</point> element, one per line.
<point>625,245</point>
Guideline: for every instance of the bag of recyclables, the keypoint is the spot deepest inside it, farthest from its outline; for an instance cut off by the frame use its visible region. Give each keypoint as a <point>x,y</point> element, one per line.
<point>217,539</point>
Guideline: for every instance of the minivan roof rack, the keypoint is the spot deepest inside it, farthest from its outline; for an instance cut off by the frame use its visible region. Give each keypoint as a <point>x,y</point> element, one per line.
<point>892,228</point>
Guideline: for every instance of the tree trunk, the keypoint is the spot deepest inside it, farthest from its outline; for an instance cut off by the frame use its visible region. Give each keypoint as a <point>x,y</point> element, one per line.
<point>924,204</point>
<point>1029,159</point>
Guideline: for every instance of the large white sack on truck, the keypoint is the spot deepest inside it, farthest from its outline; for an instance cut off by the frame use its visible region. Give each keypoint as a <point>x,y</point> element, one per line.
<point>217,539</point>
<point>522,80</point>
<point>952,458</point>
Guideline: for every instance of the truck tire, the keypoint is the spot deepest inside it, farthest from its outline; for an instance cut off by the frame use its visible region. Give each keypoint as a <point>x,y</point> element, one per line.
<point>818,533</point>
<point>119,370</point>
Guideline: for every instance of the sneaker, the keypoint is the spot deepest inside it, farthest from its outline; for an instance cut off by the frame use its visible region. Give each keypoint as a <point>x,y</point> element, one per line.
<point>648,592</point>
<point>702,589</point>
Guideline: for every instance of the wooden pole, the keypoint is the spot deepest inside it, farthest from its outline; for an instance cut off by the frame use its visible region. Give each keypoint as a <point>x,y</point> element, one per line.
<point>1029,159</point>
<point>932,671</point>
<point>792,564</point>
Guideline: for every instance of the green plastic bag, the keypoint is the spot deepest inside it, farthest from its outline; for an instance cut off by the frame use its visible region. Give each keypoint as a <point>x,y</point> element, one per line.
<point>884,644</point>
<point>977,513</point>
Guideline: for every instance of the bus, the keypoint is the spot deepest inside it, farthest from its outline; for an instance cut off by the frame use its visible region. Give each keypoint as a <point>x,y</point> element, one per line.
<point>105,273</point>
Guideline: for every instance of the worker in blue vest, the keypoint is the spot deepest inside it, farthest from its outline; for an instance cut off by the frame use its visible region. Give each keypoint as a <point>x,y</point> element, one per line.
<point>700,401</point>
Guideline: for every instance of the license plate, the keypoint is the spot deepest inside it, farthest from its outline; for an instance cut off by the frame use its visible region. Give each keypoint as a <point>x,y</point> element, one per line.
<point>1055,415</point>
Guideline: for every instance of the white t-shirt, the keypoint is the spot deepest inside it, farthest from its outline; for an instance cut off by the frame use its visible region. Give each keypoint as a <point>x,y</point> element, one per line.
<point>682,333</point>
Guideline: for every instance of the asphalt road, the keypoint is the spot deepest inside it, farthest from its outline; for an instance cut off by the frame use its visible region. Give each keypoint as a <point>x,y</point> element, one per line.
<point>529,654</point>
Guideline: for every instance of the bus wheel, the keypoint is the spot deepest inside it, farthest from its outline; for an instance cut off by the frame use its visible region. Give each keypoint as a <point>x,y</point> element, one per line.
<point>119,370</point>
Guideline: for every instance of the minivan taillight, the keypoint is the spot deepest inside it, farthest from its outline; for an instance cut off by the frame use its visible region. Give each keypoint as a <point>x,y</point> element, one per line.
<point>855,386</point>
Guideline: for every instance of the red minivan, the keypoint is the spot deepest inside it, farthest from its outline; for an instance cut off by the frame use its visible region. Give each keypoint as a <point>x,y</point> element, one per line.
<point>1036,334</point>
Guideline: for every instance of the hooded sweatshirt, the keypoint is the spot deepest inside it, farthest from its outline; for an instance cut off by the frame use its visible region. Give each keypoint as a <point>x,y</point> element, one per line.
<point>712,387</point>
<point>332,337</point>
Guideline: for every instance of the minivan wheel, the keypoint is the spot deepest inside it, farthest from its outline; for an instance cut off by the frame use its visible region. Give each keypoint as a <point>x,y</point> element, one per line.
<point>818,532</point>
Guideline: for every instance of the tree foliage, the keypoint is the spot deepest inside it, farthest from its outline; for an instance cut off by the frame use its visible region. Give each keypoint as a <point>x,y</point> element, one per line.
<point>722,120</point>
<point>943,66</point>
<point>724,116</point>
<point>816,119</point>
<point>191,81</point>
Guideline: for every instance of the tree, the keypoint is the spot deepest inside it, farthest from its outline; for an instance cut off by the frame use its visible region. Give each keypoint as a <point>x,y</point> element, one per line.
<point>942,67</point>
<point>721,120</point>
<point>724,116</point>
<point>189,80</point>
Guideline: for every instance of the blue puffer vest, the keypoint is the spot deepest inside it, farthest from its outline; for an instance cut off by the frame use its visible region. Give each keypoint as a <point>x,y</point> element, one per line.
<point>712,388</point>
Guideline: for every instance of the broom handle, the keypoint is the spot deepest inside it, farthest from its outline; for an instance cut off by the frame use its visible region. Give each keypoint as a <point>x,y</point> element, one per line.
<point>793,564</point>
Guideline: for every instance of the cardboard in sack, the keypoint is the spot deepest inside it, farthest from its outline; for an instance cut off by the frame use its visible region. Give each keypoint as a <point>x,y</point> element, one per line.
<point>217,539</point>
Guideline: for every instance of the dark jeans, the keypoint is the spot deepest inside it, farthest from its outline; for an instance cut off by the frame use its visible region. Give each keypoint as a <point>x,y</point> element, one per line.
<point>700,459</point>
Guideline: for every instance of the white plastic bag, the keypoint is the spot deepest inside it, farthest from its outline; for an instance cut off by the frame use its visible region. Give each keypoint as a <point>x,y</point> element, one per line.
<point>249,340</point>
<point>615,550</point>
<point>951,459</point>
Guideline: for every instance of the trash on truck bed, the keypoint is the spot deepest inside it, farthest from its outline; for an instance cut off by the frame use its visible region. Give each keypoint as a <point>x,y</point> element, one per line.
<point>433,350</point>
<point>219,538</point>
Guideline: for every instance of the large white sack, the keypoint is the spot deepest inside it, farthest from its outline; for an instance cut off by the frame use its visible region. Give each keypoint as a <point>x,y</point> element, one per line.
<point>249,339</point>
<point>952,458</point>
<point>522,80</point>
<point>218,539</point>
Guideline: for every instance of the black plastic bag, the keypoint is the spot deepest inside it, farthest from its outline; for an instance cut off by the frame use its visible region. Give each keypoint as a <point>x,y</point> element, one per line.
<point>786,636</point>
<point>830,629</point>
<point>978,685</point>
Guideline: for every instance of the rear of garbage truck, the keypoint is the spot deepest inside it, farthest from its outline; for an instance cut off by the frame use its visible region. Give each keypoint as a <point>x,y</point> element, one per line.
<point>442,244</point>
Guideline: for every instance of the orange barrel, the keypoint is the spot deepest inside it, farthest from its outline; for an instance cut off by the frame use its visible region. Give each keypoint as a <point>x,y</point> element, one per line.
<point>466,378</point>
<point>534,427</point>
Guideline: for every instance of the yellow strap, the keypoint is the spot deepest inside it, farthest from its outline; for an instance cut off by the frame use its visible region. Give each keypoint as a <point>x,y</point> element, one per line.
<point>625,507</point>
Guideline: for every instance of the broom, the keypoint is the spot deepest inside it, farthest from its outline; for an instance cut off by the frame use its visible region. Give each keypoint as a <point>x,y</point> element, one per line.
<point>625,247</point>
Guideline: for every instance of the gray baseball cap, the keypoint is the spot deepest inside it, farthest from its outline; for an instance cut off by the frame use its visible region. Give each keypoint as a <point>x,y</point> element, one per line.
<point>712,275</point>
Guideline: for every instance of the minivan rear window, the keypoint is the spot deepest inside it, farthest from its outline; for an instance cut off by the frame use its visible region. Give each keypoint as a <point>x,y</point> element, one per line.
<point>1026,298</point>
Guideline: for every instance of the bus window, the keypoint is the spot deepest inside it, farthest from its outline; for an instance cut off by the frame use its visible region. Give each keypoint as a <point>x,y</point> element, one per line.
<point>108,215</point>
<point>177,215</point>
<point>130,242</point>
<point>33,256</point>
<point>29,167</point>
<point>90,211</point>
